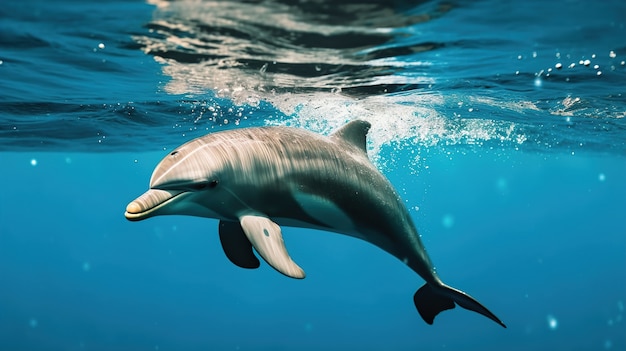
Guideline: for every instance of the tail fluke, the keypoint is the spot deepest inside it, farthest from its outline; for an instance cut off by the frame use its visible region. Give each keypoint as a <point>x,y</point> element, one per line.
<point>430,301</point>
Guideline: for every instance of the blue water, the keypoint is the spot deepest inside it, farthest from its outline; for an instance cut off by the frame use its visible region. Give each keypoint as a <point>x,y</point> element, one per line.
<point>501,124</point>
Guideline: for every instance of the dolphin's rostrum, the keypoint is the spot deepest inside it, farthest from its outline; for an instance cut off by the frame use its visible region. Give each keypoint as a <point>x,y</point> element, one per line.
<point>256,179</point>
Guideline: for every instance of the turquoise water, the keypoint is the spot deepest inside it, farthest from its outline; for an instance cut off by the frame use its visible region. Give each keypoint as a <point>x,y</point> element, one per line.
<point>512,168</point>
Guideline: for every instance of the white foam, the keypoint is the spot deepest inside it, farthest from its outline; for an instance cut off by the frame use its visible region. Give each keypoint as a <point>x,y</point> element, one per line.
<point>403,120</point>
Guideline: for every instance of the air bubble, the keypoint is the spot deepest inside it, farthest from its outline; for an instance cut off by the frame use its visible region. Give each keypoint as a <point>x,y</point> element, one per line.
<point>447,221</point>
<point>552,322</point>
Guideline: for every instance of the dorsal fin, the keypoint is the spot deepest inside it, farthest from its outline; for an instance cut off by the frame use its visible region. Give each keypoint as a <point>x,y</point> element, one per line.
<point>354,132</point>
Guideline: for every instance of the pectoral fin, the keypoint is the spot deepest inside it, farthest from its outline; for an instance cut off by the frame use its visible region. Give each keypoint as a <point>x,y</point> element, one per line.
<point>236,245</point>
<point>267,239</point>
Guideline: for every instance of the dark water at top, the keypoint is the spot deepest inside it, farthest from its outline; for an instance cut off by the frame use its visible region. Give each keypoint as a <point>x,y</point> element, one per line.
<point>533,75</point>
<point>501,124</point>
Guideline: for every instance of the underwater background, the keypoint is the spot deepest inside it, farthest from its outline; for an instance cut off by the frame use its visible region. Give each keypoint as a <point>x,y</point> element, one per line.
<point>500,123</point>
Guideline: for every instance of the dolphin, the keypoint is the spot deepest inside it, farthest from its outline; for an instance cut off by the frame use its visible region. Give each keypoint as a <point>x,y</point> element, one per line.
<point>255,180</point>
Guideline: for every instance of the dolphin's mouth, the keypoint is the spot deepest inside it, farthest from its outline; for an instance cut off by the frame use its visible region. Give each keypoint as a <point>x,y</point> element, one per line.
<point>149,203</point>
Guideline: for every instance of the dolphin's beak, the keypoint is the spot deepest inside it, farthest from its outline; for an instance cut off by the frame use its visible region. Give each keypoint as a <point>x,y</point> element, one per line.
<point>148,204</point>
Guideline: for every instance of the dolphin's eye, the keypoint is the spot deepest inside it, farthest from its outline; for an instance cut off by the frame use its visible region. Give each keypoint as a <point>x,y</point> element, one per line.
<point>212,184</point>
<point>174,153</point>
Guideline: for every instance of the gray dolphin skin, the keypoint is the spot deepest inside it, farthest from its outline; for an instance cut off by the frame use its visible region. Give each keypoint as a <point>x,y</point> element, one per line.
<point>255,180</point>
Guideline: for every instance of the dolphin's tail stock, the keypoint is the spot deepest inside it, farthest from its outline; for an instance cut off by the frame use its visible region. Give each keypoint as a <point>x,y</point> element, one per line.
<point>430,300</point>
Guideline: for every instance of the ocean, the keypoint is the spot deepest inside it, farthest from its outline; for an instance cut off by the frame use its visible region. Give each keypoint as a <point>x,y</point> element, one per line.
<point>500,123</point>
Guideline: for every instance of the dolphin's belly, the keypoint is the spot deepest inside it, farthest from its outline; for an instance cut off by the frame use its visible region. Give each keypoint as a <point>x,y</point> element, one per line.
<point>317,212</point>
<point>325,211</point>
<point>296,223</point>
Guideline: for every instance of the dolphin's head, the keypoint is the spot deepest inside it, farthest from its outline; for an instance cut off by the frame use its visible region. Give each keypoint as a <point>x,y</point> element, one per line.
<point>188,181</point>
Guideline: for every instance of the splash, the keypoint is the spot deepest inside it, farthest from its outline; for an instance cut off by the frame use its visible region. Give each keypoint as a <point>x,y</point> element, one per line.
<point>402,122</point>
